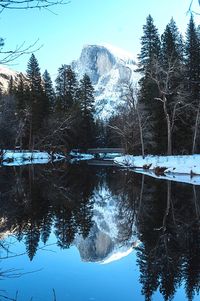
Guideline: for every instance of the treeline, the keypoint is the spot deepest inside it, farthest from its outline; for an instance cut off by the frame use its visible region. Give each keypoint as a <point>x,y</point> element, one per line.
<point>161,115</point>
<point>35,115</point>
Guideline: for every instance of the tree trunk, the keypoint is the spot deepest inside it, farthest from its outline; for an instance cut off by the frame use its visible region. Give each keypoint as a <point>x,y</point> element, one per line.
<point>196,129</point>
<point>30,135</point>
<point>169,138</point>
<point>141,132</point>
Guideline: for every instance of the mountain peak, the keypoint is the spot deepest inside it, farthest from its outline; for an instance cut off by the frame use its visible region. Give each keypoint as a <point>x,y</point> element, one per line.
<point>119,53</point>
<point>110,69</point>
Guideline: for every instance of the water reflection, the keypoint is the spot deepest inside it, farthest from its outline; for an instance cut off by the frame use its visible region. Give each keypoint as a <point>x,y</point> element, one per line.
<point>106,213</point>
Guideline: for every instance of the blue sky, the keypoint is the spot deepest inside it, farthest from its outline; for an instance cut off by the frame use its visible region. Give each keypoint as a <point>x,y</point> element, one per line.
<point>63,34</point>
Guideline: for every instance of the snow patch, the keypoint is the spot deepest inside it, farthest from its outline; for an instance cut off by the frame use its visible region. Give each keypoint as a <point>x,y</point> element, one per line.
<point>120,53</point>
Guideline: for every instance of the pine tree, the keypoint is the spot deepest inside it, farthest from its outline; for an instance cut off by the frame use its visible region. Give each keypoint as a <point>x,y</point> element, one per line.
<point>86,102</point>
<point>66,88</point>
<point>37,99</point>
<point>49,93</point>
<point>23,111</point>
<point>192,76</point>
<point>150,52</point>
<point>34,75</point>
<point>192,52</point>
<point>172,45</point>
<point>150,46</point>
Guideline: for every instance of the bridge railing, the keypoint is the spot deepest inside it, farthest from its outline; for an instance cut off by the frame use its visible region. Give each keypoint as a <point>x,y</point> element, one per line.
<point>105,150</point>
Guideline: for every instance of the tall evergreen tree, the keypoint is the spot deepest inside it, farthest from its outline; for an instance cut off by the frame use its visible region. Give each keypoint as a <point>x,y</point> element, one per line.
<point>49,93</point>
<point>23,111</point>
<point>150,52</point>
<point>86,102</point>
<point>172,44</point>
<point>66,87</point>
<point>37,100</point>
<point>192,53</point>
<point>192,76</point>
<point>150,46</point>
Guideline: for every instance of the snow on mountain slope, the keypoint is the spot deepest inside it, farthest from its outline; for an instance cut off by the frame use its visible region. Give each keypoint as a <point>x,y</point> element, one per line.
<point>109,69</point>
<point>5,76</point>
<point>120,53</point>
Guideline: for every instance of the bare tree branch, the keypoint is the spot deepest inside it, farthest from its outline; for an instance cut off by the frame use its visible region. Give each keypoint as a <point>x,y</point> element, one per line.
<point>29,4</point>
<point>11,55</point>
<point>7,56</point>
<point>190,10</point>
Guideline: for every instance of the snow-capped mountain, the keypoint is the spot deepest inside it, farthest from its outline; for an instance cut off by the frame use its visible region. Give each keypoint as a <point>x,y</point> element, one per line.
<point>109,69</point>
<point>5,76</point>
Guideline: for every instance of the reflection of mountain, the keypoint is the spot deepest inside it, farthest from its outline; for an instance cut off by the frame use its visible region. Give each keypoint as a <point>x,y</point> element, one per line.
<point>96,246</point>
<point>104,242</point>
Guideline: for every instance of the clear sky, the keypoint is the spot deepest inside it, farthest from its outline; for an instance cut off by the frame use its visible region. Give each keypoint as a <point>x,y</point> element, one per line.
<point>64,32</point>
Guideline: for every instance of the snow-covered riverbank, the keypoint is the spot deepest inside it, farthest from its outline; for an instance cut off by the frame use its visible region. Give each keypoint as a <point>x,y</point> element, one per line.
<point>13,158</point>
<point>175,168</point>
<point>169,164</point>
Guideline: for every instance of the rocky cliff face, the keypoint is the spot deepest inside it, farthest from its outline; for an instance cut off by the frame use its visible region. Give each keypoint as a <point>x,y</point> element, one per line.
<point>5,75</point>
<point>109,70</point>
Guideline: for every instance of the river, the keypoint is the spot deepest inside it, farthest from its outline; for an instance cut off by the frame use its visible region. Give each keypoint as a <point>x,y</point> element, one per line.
<point>78,232</point>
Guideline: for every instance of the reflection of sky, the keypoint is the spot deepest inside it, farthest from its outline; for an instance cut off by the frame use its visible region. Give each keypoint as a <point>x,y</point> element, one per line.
<point>72,279</point>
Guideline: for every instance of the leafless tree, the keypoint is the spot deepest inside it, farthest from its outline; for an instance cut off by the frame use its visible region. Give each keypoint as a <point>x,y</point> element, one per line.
<point>58,133</point>
<point>131,98</point>
<point>130,123</point>
<point>171,96</point>
<point>23,120</point>
<point>196,127</point>
<point>8,121</point>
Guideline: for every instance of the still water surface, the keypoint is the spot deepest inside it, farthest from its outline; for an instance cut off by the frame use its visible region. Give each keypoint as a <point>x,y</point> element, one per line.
<point>79,232</point>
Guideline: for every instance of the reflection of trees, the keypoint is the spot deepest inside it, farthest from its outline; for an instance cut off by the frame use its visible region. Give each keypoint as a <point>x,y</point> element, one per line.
<point>166,216</point>
<point>169,231</point>
<point>126,186</point>
<point>33,200</point>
